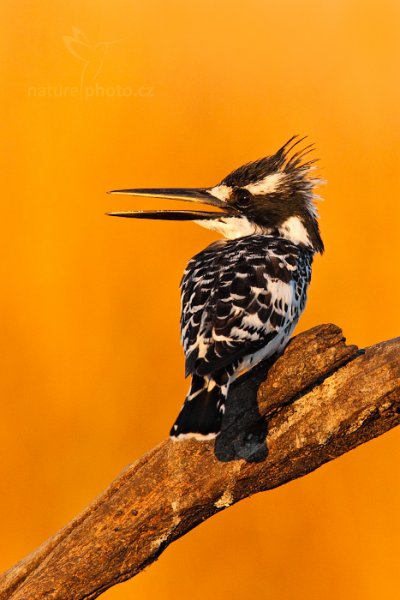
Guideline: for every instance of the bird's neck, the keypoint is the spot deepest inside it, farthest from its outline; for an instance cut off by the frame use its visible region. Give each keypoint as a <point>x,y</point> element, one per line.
<point>293,229</point>
<point>231,227</point>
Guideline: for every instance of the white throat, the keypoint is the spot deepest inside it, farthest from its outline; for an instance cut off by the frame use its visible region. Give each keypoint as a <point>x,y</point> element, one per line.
<point>231,227</point>
<point>293,229</point>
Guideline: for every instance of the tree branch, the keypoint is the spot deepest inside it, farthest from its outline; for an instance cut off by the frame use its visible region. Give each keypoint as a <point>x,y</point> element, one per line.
<point>318,401</point>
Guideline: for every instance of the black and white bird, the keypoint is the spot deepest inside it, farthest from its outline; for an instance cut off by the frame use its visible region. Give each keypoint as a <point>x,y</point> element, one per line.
<point>242,296</point>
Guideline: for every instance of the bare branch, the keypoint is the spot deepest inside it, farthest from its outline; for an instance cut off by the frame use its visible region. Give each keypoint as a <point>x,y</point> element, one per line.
<point>318,401</point>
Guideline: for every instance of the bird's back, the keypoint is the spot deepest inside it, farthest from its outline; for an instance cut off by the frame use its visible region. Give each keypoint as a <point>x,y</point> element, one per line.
<point>241,299</point>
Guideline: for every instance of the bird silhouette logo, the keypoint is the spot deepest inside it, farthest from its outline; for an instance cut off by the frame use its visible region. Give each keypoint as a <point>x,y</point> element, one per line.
<point>92,55</point>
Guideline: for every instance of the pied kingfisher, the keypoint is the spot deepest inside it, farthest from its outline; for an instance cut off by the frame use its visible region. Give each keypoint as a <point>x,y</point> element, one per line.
<point>242,296</point>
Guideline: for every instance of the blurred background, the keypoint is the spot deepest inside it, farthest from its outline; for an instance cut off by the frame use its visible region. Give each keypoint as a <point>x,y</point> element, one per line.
<point>104,95</point>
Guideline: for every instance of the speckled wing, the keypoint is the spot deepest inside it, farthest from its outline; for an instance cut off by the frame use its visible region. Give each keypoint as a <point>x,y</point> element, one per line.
<point>239,296</point>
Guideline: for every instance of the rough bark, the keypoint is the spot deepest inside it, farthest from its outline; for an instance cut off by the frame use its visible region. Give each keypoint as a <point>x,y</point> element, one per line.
<point>320,399</point>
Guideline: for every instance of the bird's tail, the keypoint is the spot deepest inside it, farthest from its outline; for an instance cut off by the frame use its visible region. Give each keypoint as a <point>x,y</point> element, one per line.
<point>201,414</point>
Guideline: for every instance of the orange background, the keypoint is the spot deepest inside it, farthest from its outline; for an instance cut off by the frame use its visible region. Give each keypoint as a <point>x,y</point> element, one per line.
<point>91,365</point>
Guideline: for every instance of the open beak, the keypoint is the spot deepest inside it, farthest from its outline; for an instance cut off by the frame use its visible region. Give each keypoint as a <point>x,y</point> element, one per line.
<point>199,195</point>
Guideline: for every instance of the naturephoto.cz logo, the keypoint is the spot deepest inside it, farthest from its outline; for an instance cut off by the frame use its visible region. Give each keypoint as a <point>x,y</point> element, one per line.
<point>92,57</point>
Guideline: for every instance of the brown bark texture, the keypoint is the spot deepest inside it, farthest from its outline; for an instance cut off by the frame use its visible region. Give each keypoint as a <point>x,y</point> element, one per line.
<point>320,399</point>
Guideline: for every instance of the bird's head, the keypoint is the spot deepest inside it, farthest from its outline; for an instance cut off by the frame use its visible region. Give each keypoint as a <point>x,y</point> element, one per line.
<point>273,195</point>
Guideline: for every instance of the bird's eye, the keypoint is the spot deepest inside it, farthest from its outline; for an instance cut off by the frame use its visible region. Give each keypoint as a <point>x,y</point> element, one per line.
<point>242,198</point>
